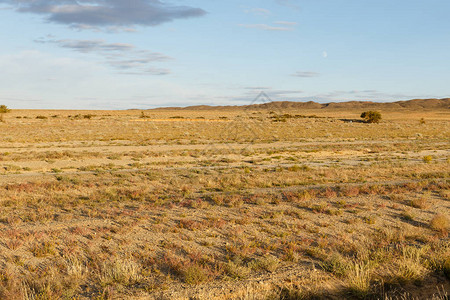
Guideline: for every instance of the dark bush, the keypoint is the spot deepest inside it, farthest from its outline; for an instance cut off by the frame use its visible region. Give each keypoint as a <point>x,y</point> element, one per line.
<point>371,116</point>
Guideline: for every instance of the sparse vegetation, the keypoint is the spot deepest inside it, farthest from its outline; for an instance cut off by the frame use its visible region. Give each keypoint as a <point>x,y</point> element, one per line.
<point>113,206</point>
<point>3,110</point>
<point>440,222</point>
<point>421,202</point>
<point>427,159</point>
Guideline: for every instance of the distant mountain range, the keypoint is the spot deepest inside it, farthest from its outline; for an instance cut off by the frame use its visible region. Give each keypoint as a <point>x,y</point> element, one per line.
<point>415,104</point>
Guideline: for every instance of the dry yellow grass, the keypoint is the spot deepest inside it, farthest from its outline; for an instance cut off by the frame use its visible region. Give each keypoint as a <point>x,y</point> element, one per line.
<point>222,204</point>
<point>440,222</point>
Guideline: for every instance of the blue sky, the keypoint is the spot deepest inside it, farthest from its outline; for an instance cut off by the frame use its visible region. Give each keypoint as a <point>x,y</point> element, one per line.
<point>118,54</point>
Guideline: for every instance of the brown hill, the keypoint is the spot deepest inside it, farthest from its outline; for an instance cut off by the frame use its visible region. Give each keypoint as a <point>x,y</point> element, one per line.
<point>415,104</point>
<point>426,103</point>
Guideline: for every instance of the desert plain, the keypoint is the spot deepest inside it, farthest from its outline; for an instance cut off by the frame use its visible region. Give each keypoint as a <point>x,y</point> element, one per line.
<point>274,201</point>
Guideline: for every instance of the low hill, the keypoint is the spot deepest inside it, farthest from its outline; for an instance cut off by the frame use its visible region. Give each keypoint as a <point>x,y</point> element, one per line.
<point>415,104</point>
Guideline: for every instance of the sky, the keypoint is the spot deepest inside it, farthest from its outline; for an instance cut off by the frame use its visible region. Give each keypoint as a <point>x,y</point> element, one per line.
<point>123,54</point>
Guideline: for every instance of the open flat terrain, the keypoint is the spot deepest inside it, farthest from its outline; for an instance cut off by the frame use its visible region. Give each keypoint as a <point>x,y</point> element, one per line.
<point>258,202</point>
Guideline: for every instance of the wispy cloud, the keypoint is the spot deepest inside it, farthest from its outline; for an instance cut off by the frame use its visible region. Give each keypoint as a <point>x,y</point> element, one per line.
<point>86,46</point>
<point>124,57</point>
<point>267,27</point>
<point>287,23</point>
<point>258,11</point>
<point>304,74</point>
<point>150,71</point>
<point>95,14</point>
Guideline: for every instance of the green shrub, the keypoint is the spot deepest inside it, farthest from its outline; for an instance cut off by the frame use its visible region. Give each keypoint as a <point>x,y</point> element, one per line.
<point>195,274</point>
<point>4,109</point>
<point>427,159</point>
<point>268,264</point>
<point>237,270</point>
<point>408,215</point>
<point>371,116</point>
<point>336,264</point>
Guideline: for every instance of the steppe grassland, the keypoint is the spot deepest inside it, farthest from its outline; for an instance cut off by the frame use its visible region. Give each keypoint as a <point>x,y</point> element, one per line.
<point>242,204</point>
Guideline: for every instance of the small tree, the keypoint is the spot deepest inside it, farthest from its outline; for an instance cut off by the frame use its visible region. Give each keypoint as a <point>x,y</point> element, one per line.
<point>371,116</point>
<point>3,110</point>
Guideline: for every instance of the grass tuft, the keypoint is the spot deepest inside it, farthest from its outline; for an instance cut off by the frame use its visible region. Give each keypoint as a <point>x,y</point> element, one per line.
<point>440,223</point>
